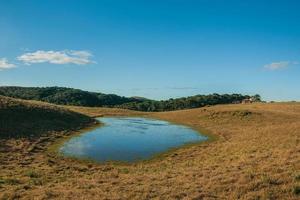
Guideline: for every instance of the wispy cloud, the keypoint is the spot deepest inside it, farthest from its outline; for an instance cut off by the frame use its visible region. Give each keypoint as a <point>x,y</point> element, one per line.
<point>165,88</point>
<point>183,88</point>
<point>57,57</point>
<point>277,65</point>
<point>143,89</point>
<point>4,64</point>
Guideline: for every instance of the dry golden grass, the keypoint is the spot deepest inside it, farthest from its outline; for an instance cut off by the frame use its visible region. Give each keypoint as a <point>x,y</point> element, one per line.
<point>256,155</point>
<point>20,118</point>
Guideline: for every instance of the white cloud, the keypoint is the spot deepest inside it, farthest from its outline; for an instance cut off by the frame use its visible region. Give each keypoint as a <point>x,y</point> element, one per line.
<point>57,57</point>
<point>4,64</point>
<point>277,65</point>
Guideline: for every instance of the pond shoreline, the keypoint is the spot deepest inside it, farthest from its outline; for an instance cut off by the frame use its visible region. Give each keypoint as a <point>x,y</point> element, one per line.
<point>54,148</point>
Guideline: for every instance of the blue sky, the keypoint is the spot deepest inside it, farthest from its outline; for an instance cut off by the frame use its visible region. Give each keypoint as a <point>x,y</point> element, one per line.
<point>157,49</point>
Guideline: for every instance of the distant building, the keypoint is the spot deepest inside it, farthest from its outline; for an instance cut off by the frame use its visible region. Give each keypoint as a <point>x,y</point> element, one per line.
<point>246,101</point>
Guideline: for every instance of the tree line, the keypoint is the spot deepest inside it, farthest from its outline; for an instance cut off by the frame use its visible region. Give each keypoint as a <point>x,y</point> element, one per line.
<point>188,102</point>
<point>76,97</point>
<point>65,96</point>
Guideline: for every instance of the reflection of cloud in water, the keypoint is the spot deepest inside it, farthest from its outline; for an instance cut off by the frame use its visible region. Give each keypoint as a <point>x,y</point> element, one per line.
<point>147,122</point>
<point>137,127</point>
<point>143,121</point>
<point>125,121</point>
<point>151,124</point>
<point>138,131</point>
<point>76,147</point>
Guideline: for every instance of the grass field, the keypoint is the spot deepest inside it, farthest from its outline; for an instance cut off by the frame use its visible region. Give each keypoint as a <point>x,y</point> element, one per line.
<point>19,118</point>
<point>255,155</point>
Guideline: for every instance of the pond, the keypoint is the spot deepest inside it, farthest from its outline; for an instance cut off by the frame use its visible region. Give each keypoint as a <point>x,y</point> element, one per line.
<point>129,139</point>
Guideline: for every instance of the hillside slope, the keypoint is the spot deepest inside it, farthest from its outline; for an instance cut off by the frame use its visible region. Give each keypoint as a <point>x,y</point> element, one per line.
<point>20,118</point>
<point>255,156</point>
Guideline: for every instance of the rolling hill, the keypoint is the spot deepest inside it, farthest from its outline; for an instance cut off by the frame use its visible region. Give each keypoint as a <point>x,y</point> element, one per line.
<point>20,118</point>
<point>253,154</point>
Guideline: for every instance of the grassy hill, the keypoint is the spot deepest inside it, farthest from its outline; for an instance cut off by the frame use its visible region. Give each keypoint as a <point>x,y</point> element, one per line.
<point>20,118</point>
<point>255,155</point>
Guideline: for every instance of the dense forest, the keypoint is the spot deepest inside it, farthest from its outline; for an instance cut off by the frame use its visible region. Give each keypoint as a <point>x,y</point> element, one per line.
<point>188,102</point>
<point>65,96</point>
<point>76,97</point>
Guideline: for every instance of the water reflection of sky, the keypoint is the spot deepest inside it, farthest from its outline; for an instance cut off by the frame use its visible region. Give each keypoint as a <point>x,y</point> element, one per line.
<point>129,139</point>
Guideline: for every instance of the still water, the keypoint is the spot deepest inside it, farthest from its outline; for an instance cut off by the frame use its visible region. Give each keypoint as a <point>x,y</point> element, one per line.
<point>129,139</point>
